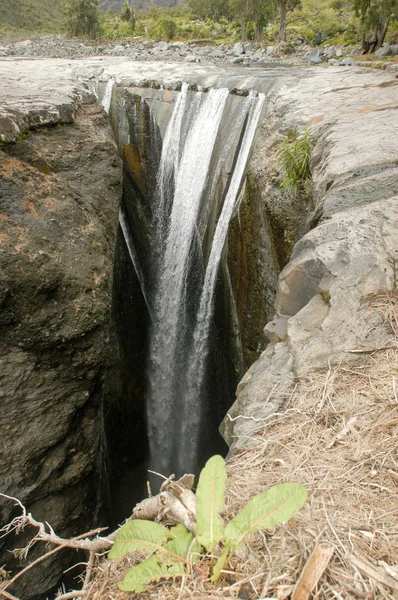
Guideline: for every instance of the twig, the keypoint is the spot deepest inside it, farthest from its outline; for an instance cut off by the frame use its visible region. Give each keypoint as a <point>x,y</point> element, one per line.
<point>70,595</point>
<point>8,595</point>
<point>66,544</point>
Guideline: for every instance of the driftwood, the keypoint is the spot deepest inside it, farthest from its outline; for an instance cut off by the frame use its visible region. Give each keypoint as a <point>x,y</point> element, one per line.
<point>174,504</point>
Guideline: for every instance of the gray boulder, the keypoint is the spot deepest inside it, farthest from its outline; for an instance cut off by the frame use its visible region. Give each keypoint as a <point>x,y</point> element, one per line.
<point>238,49</point>
<point>314,57</point>
<point>381,52</point>
<point>162,46</point>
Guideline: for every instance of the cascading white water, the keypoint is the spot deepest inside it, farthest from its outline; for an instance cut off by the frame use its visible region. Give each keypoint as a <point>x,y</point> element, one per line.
<point>190,417</point>
<point>168,166</point>
<point>134,258</point>
<point>107,98</point>
<point>169,325</point>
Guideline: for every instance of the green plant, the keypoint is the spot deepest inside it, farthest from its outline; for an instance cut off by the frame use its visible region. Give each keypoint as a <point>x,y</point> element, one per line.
<point>294,160</point>
<point>170,552</point>
<point>127,15</point>
<point>82,17</point>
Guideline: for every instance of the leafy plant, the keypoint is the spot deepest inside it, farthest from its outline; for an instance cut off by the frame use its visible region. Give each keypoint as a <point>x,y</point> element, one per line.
<point>294,160</point>
<point>171,552</point>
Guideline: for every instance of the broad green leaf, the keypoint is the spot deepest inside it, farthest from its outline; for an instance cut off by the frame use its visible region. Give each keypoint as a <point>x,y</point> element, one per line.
<point>145,536</point>
<point>210,496</point>
<point>266,510</point>
<point>181,543</point>
<point>148,571</point>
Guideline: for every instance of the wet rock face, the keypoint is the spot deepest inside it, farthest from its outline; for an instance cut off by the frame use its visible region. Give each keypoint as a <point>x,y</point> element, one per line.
<point>59,197</point>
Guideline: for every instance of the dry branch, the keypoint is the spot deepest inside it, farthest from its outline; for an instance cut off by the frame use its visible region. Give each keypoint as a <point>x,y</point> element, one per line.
<point>174,504</point>
<point>312,572</point>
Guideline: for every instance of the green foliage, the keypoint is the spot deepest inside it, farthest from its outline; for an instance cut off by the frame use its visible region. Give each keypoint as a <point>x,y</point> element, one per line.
<point>169,552</point>
<point>127,15</point>
<point>210,497</point>
<point>163,29</point>
<point>294,160</point>
<point>82,17</point>
<point>41,16</point>
<point>168,29</point>
<point>277,505</point>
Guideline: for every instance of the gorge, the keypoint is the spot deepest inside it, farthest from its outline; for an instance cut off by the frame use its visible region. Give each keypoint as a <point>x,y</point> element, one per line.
<point>195,268</point>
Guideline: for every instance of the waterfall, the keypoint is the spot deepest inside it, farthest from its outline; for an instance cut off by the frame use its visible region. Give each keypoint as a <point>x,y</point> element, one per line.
<point>169,162</point>
<point>196,371</point>
<point>168,332</point>
<point>198,159</point>
<point>134,257</point>
<point>107,99</point>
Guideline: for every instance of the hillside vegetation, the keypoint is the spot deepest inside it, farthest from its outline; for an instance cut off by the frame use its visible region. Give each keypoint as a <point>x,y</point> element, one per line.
<point>30,15</point>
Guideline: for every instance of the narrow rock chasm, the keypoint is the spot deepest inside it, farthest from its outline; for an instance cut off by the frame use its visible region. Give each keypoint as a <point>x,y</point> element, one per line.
<point>143,121</point>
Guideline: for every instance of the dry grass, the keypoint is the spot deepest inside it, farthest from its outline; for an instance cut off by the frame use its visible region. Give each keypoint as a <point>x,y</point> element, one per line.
<point>337,436</point>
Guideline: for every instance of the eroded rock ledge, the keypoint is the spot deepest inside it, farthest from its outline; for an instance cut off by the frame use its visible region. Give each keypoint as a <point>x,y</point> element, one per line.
<point>349,255</point>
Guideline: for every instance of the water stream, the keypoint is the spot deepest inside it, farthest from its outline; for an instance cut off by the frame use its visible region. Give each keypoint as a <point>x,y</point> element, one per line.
<point>189,173</point>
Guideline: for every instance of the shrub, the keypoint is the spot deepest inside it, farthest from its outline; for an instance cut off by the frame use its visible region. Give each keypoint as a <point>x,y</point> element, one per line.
<point>82,17</point>
<point>294,160</point>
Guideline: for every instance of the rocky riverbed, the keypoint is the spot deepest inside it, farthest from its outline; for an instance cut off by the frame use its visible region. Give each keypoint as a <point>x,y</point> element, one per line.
<point>58,46</point>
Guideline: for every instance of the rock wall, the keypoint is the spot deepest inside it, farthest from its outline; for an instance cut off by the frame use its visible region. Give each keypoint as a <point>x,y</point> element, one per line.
<point>347,259</point>
<point>60,190</point>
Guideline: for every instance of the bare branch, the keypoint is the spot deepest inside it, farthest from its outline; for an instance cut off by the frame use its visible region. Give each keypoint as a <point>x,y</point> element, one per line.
<point>304,18</point>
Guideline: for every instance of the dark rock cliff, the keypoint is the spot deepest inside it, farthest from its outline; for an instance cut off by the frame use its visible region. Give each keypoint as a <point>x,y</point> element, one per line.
<point>60,189</point>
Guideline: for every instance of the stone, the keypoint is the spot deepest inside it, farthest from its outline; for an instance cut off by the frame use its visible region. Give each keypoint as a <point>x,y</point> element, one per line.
<point>23,44</point>
<point>329,52</point>
<point>162,46</point>
<point>393,50</point>
<point>339,52</point>
<point>238,49</point>
<point>323,303</point>
<point>381,52</point>
<point>236,60</point>
<point>314,57</point>
<point>346,61</point>
<point>276,330</point>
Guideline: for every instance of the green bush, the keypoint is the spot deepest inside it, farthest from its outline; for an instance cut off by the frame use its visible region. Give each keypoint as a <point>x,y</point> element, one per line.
<point>82,17</point>
<point>294,157</point>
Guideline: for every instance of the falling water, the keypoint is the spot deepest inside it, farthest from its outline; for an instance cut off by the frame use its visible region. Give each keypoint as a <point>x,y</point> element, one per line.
<point>192,406</point>
<point>169,162</point>
<point>169,327</point>
<point>134,257</point>
<point>107,99</point>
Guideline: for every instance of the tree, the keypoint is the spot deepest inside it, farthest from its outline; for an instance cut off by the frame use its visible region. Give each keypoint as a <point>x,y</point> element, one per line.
<point>127,14</point>
<point>284,7</point>
<point>209,9</point>
<point>82,17</point>
<point>375,18</point>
